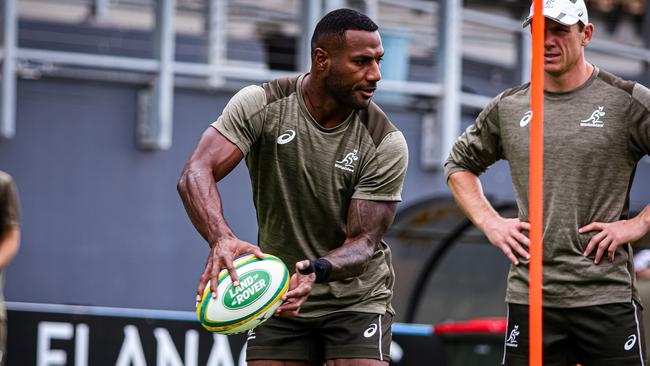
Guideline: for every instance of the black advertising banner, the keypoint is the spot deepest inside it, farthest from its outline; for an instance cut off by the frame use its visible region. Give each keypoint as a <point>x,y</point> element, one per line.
<point>47,335</point>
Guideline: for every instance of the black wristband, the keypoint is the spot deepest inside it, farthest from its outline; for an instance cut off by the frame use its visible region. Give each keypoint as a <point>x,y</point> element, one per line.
<point>321,267</point>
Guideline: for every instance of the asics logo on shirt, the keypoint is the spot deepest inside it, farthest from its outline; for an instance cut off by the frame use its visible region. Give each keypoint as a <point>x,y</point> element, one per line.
<point>595,119</point>
<point>286,137</point>
<point>346,162</point>
<point>631,341</point>
<point>526,119</point>
<point>370,331</point>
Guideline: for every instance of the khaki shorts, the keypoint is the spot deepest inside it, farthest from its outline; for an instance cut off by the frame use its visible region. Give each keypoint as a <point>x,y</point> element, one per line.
<point>333,336</point>
<point>601,335</point>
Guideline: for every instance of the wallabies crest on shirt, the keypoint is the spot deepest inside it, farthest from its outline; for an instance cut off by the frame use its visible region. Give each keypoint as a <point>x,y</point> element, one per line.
<point>595,119</point>
<point>346,162</point>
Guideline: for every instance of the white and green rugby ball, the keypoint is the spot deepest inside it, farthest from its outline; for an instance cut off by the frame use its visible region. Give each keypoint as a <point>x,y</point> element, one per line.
<point>262,283</point>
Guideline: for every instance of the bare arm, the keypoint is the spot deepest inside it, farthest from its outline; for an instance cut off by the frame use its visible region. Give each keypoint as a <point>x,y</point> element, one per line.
<point>468,193</point>
<point>501,232</point>
<point>614,234</point>
<point>9,244</point>
<point>214,157</point>
<point>367,223</point>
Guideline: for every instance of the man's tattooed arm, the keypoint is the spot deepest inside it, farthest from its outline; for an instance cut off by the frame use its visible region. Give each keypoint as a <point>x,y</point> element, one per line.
<point>367,223</point>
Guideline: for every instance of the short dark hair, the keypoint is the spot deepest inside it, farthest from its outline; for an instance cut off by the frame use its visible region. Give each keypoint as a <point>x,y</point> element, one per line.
<point>335,23</point>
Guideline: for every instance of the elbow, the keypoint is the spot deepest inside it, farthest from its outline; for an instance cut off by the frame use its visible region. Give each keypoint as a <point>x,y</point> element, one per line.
<point>190,172</point>
<point>366,255</point>
<point>195,176</point>
<point>9,245</point>
<point>181,186</point>
<point>451,179</point>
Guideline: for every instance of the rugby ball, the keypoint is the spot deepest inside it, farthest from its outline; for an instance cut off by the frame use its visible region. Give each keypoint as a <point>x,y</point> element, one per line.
<point>262,283</point>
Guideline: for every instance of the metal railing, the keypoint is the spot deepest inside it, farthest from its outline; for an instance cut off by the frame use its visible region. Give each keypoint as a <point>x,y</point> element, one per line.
<point>217,71</point>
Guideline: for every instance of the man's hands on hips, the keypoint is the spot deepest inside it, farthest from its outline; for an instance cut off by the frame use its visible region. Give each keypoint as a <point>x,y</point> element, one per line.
<point>612,235</point>
<point>221,257</point>
<point>300,287</point>
<point>506,234</point>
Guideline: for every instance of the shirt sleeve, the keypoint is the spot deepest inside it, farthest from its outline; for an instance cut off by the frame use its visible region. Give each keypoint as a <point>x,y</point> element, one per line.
<point>9,206</point>
<point>639,121</point>
<point>479,146</point>
<point>382,178</point>
<point>242,120</point>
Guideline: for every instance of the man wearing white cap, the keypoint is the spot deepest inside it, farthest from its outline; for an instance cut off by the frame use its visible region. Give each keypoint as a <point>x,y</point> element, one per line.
<point>596,129</point>
<point>567,12</point>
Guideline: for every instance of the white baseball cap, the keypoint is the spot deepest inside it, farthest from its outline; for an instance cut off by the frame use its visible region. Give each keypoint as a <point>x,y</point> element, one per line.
<point>567,12</point>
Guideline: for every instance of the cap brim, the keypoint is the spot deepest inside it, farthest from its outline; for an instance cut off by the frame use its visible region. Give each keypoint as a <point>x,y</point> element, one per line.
<point>566,20</point>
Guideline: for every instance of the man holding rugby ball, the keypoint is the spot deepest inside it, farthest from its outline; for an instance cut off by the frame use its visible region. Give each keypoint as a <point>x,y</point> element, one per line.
<point>327,169</point>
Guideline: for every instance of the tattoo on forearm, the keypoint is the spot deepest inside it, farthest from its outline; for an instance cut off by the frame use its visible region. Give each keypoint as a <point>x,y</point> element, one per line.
<point>367,223</point>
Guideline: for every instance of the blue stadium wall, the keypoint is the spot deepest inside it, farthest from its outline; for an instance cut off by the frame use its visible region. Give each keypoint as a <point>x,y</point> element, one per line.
<point>102,222</point>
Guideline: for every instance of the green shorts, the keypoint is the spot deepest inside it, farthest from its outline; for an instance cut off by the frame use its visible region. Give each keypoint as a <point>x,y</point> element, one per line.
<point>333,336</point>
<point>601,335</point>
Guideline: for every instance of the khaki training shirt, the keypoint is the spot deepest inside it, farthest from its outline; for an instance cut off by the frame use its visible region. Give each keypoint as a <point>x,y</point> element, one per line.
<point>303,178</point>
<point>593,138</point>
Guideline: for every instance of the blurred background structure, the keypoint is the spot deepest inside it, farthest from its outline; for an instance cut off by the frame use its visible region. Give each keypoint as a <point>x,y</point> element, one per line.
<point>103,100</point>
